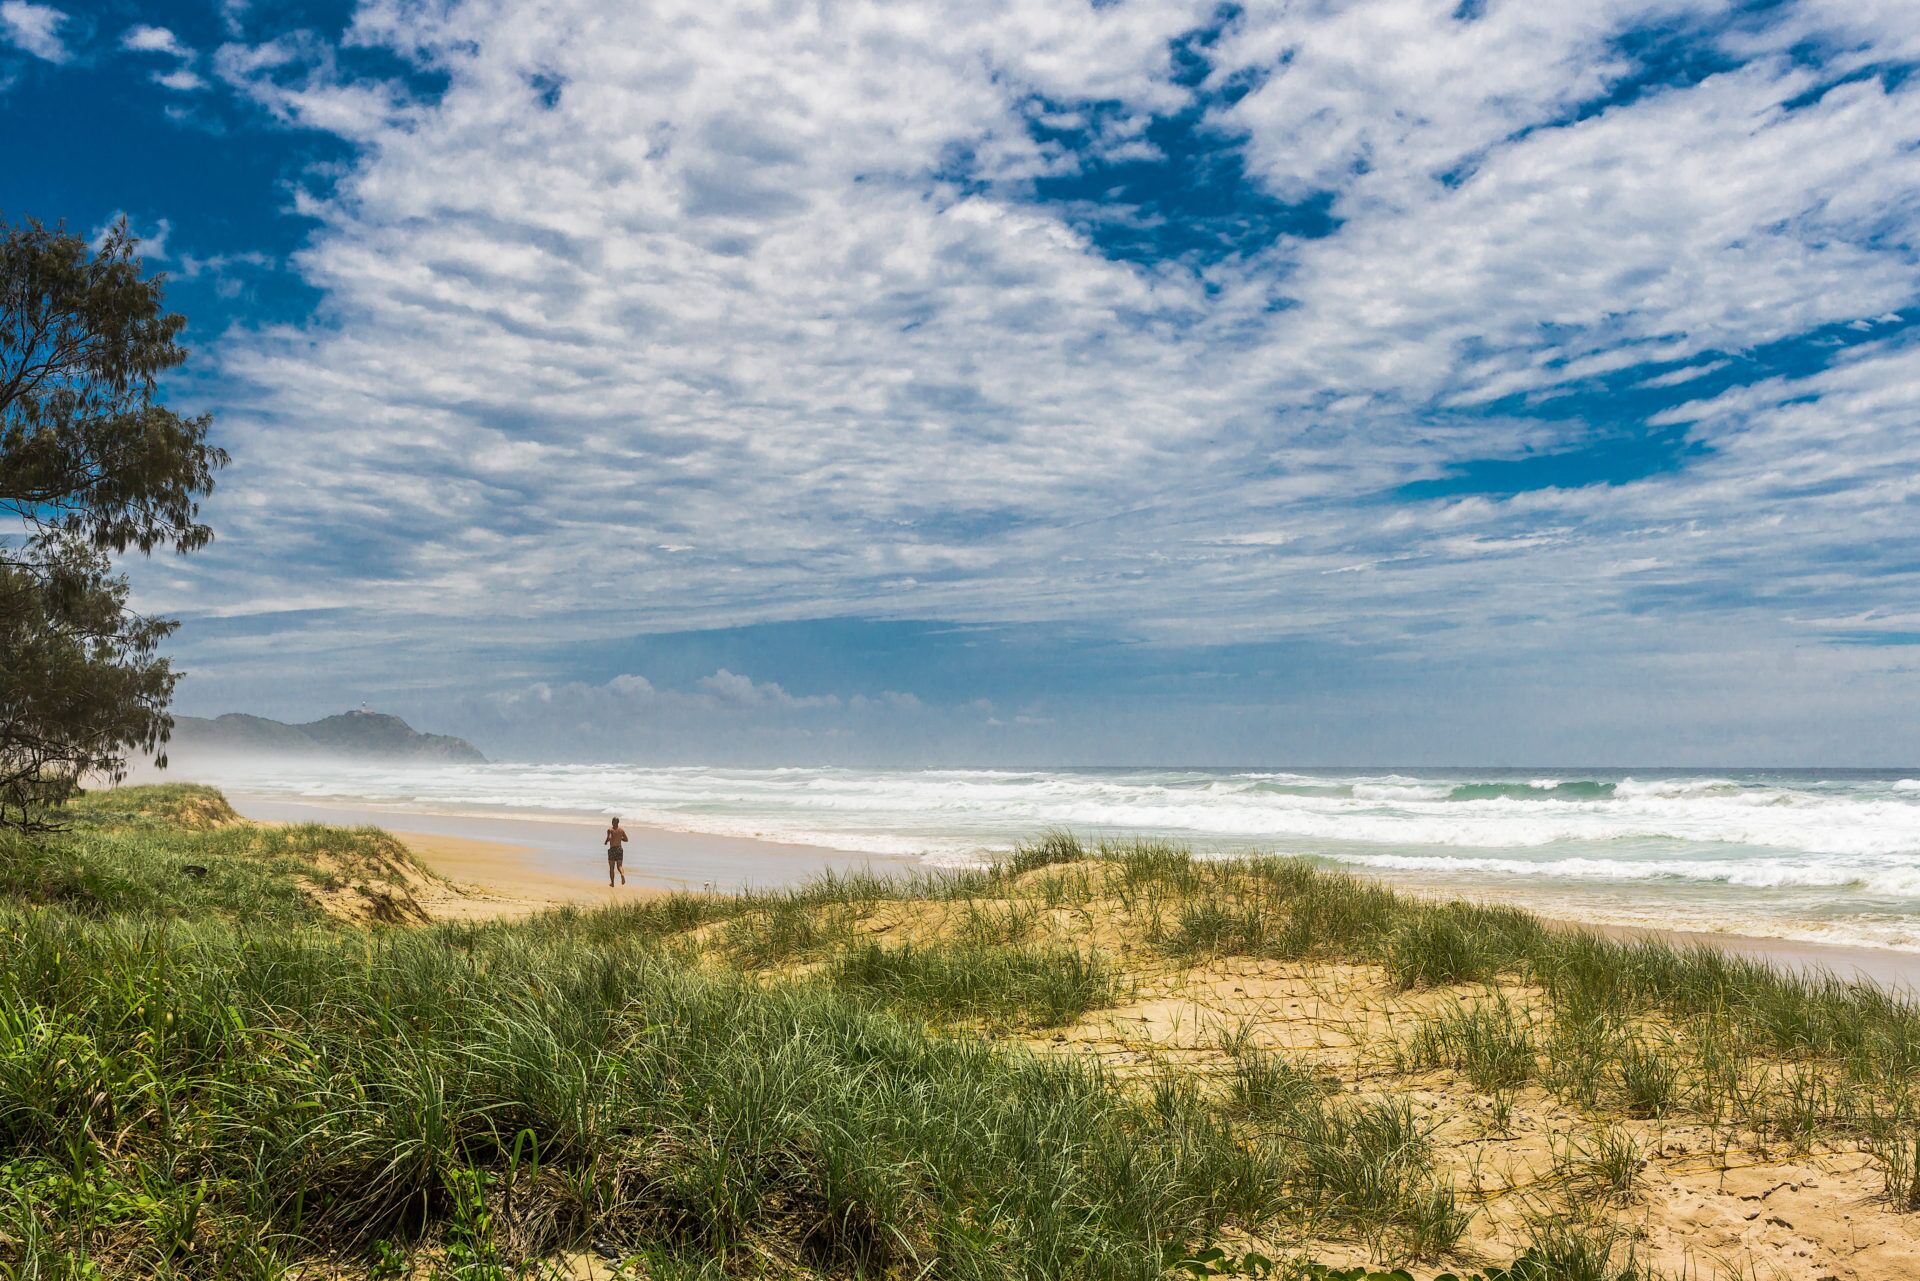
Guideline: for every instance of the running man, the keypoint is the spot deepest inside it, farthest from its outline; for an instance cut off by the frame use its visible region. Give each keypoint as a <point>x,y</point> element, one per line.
<point>616,852</point>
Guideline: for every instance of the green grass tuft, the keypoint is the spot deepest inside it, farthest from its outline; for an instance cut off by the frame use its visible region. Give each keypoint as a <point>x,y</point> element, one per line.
<point>1491,1041</point>
<point>1051,848</point>
<point>1044,987</point>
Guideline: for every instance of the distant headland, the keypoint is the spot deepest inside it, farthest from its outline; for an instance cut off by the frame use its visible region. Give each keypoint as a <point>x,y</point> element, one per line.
<point>361,733</point>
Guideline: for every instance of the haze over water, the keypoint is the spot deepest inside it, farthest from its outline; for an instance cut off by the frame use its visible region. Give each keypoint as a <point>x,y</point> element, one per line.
<point>1824,855</point>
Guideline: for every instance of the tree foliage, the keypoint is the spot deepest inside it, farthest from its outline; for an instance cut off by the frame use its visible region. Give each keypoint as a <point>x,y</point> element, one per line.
<point>90,466</point>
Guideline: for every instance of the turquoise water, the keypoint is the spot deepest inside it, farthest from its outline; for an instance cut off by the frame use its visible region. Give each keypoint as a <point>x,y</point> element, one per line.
<point>1829,855</point>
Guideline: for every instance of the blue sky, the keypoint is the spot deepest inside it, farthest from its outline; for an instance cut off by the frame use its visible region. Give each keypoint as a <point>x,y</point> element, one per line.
<point>1387,382</point>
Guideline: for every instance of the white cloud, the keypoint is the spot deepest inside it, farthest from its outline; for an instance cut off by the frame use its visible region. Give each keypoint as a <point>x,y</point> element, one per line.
<point>730,689</point>
<point>722,691</point>
<point>35,28</point>
<point>892,700</point>
<point>1679,377</point>
<point>152,246</point>
<point>683,308</point>
<point>181,78</point>
<point>581,720</point>
<point>298,80</point>
<point>146,39</point>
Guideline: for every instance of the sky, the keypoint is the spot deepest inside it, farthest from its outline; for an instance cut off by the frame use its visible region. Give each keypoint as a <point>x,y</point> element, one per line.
<point>1478,382</point>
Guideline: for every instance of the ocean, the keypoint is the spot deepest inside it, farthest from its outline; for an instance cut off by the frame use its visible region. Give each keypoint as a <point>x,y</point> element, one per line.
<point>1819,855</point>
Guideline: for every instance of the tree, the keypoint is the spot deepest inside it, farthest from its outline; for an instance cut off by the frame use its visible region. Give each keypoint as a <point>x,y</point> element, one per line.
<point>90,465</point>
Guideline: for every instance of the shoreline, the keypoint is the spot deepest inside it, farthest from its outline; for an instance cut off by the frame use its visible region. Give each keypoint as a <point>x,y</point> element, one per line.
<point>527,864</point>
<point>1896,969</point>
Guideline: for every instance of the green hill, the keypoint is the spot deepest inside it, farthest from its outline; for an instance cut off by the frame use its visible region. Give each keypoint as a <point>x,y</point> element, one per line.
<point>361,734</point>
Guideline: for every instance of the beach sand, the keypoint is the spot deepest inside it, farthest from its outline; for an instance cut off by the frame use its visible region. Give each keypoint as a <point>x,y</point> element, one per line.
<point>510,866</point>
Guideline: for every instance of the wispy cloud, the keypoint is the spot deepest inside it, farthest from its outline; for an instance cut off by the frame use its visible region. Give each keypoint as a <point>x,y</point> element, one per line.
<point>35,28</point>
<point>675,316</point>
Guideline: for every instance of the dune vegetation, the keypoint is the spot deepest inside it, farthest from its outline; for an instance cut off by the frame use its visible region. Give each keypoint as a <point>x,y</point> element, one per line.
<point>1089,1061</point>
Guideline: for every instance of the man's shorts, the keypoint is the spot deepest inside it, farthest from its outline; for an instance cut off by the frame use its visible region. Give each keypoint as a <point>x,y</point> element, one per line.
<point>616,856</point>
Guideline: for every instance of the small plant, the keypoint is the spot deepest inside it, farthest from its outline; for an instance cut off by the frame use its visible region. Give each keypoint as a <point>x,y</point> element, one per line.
<point>1578,1052</point>
<point>1153,866</point>
<point>470,1250</point>
<point>1215,1262</point>
<point>1491,1041</point>
<point>1436,947</point>
<point>1500,1111</point>
<point>1895,1146</point>
<point>1236,1039</point>
<point>1566,1251</point>
<point>387,1261</point>
<point>1804,1101</point>
<point>1267,1087</point>
<point>1054,846</point>
<point>1212,929</point>
<point>782,931</point>
<point>1371,1164</point>
<point>1649,1079</point>
<point>1605,1164</point>
<point>993,925</point>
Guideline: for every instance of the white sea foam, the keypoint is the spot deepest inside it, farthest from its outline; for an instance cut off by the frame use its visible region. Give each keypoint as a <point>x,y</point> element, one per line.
<point>1894,882</point>
<point>1397,791</point>
<point>1675,787</point>
<point>1841,847</point>
<point>944,810</point>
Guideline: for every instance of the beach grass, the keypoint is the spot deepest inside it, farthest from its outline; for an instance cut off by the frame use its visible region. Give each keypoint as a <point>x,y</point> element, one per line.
<point>210,1075</point>
<point>178,852</point>
<point>271,1097</point>
<point>1001,984</point>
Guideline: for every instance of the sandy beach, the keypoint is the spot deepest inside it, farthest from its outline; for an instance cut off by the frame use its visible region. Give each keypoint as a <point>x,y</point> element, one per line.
<point>506,866</point>
<point>525,864</point>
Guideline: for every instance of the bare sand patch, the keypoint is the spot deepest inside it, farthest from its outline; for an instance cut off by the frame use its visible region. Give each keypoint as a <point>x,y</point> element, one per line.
<point>486,880</point>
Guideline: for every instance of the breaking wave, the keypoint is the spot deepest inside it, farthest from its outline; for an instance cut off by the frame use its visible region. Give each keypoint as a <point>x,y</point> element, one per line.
<point>1835,845</point>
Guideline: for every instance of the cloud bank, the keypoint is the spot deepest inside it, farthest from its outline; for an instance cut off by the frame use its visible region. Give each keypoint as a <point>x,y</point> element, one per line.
<point>1451,335</point>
